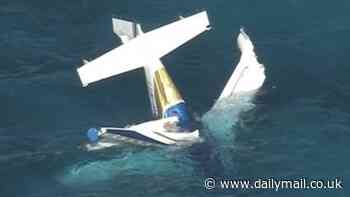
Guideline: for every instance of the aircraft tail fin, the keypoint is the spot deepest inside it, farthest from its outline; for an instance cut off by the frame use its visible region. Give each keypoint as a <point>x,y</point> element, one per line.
<point>126,30</point>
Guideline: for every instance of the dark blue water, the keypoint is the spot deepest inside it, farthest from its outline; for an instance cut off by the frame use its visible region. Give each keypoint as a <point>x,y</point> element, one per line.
<point>299,127</point>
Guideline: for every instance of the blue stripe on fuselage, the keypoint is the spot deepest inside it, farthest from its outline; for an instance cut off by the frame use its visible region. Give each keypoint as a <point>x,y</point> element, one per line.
<point>180,110</point>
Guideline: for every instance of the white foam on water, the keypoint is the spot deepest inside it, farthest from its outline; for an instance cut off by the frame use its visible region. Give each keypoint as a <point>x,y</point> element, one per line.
<point>151,162</point>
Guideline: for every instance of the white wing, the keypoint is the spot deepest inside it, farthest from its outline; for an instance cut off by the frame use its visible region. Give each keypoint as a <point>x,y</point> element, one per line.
<point>144,48</point>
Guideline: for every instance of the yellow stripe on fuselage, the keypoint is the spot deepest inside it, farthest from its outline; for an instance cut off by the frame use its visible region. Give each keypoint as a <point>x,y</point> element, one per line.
<point>165,91</point>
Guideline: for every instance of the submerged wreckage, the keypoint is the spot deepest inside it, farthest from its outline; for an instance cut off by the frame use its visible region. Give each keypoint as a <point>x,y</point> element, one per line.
<point>172,122</point>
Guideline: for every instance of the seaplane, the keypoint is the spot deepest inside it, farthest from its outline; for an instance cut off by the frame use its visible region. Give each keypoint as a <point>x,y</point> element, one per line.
<point>171,123</point>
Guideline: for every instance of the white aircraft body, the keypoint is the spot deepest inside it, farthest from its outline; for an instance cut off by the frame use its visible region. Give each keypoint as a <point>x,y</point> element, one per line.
<point>172,122</point>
